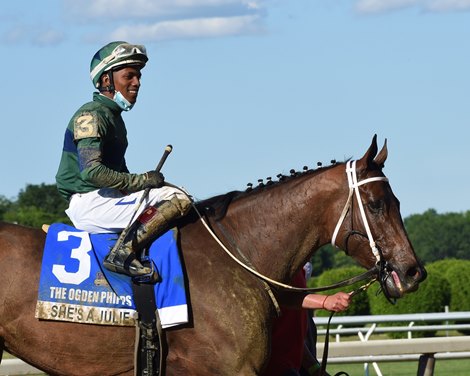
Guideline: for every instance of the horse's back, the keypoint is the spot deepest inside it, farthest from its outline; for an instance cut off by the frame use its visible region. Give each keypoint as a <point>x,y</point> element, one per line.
<point>21,238</point>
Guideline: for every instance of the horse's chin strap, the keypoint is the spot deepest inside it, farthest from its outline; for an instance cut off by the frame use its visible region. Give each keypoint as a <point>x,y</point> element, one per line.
<point>354,189</point>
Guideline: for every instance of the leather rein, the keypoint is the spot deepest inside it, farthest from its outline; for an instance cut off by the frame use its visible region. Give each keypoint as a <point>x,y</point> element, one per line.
<point>380,271</point>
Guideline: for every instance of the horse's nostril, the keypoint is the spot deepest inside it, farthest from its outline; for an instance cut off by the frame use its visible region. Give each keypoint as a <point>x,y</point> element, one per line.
<point>417,273</point>
<point>412,272</point>
<point>423,273</point>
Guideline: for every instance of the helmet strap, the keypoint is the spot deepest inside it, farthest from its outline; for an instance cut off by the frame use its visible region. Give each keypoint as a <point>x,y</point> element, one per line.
<point>122,102</point>
<point>110,88</point>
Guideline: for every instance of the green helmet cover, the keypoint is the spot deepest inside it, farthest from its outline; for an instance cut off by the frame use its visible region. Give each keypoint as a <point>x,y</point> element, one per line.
<point>116,54</point>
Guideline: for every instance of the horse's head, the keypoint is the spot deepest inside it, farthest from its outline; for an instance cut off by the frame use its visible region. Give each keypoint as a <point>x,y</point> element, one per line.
<point>372,231</point>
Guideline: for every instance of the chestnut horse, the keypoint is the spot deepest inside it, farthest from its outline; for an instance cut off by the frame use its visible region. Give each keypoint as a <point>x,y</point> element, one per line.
<point>277,227</point>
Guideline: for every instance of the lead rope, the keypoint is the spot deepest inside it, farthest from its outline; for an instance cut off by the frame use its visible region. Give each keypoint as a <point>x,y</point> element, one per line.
<point>324,360</point>
<point>325,351</point>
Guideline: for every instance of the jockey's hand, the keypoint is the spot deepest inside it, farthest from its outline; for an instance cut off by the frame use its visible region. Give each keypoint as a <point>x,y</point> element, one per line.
<point>153,179</point>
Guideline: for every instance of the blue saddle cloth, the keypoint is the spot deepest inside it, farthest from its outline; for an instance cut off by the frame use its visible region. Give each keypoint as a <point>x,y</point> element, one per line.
<point>75,287</point>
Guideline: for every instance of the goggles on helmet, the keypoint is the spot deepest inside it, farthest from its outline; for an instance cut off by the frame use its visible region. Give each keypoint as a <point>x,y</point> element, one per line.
<point>122,54</point>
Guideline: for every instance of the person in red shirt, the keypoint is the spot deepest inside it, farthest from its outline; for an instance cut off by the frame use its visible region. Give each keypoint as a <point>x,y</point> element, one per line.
<point>289,351</point>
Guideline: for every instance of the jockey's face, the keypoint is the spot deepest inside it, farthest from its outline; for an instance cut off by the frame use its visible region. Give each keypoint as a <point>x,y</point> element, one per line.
<point>126,81</point>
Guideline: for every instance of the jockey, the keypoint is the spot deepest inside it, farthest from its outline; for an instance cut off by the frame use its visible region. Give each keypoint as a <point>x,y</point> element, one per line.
<point>93,175</point>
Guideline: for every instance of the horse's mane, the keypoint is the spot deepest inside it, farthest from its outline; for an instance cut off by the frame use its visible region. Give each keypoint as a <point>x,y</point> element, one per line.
<point>217,206</point>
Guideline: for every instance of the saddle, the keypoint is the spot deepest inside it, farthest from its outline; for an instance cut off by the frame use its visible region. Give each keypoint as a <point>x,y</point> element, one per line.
<point>75,287</point>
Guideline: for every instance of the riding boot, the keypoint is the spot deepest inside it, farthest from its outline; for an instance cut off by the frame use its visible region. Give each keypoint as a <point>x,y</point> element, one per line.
<point>153,222</point>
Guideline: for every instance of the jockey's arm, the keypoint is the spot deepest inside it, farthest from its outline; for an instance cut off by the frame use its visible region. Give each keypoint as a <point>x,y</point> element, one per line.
<point>99,175</point>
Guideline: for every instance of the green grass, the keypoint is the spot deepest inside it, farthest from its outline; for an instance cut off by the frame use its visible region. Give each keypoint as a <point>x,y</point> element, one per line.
<point>454,367</point>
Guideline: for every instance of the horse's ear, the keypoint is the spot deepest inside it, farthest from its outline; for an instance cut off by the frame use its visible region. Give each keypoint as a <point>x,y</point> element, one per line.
<point>382,156</point>
<point>368,159</point>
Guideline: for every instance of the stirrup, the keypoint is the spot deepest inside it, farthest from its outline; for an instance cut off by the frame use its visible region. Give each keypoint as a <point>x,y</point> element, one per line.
<point>152,277</point>
<point>124,267</point>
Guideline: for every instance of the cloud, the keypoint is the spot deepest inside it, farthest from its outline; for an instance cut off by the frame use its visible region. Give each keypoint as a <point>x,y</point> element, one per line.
<point>161,9</point>
<point>150,20</point>
<point>435,6</point>
<point>190,28</point>
<point>381,6</point>
<point>35,35</point>
<point>48,38</point>
<point>448,5</point>
<point>14,35</point>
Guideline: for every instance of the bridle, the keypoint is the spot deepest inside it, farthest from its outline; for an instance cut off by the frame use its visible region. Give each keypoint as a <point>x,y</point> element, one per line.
<point>382,267</point>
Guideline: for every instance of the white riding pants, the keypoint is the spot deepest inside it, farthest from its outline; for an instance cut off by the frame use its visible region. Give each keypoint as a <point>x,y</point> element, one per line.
<point>108,210</point>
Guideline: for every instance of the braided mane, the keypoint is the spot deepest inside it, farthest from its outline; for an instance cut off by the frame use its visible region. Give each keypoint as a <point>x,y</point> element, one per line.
<point>217,206</point>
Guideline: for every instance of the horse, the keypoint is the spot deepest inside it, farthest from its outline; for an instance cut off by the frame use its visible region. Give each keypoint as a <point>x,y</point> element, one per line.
<point>274,227</point>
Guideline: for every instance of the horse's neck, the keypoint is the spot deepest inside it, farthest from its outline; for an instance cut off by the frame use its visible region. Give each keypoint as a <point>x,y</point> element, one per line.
<point>280,227</point>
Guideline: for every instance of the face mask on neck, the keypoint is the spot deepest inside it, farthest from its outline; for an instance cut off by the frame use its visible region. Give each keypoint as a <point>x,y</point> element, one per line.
<point>122,102</point>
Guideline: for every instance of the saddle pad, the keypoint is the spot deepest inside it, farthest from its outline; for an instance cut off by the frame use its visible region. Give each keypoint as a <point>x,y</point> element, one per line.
<point>75,287</point>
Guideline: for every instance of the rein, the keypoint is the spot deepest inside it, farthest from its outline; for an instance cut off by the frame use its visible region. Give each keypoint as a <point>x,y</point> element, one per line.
<point>377,270</point>
<point>361,277</point>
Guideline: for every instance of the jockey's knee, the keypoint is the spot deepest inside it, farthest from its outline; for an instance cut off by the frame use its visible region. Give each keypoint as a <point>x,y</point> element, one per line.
<point>182,202</point>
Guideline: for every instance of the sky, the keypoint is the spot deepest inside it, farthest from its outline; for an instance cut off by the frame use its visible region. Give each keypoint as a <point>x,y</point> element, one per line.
<point>246,89</point>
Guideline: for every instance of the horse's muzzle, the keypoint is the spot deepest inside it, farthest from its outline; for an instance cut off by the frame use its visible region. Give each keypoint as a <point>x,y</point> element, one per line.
<point>398,283</point>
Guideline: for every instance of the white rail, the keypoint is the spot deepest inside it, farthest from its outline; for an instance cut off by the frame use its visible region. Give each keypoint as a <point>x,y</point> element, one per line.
<point>407,317</point>
<point>14,367</point>
<point>366,351</point>
<point>387,347</point>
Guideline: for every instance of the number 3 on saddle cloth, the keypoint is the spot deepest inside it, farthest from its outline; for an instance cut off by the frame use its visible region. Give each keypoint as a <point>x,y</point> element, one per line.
<point>75,287</point>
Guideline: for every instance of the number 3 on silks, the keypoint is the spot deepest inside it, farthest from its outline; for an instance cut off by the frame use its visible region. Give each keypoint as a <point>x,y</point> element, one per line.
<point>80,253</point>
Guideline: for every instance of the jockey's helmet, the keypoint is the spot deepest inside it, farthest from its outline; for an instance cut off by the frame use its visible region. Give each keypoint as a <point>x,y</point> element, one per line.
<point>116,54</point>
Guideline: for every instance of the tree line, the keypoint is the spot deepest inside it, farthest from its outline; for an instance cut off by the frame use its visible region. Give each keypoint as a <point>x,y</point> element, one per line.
<point>36,205</point>
<point>447,285</point>
<point>434,236</point>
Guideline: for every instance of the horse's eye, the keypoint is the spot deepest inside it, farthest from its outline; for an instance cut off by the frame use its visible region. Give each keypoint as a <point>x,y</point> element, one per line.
<point>376,206</point>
